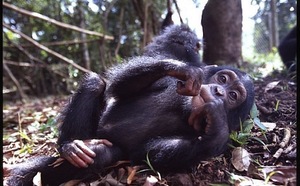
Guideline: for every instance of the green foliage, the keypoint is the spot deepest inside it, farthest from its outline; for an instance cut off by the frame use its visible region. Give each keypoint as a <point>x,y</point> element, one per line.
<point>45,131</point>
<point>241,137</point>
<point>264,64</point>
<point>56,76</point>
<point>254,114</point>
<point>11,35</point>
<point>50,126</point>
<point>151,168</point>
<point>27,148</point>
<point>24,136</point>
<point>26,142</point>
<point>255,118</point>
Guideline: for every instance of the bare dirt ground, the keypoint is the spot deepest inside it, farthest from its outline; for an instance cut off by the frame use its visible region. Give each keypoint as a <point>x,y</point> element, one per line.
<point>29,130</point>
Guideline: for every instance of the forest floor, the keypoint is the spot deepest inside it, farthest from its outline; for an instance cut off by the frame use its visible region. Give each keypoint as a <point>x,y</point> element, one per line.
<point>29,130</point>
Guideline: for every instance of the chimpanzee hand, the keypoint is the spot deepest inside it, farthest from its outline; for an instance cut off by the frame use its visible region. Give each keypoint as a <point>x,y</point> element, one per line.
<point>208,112</point>
<point>208,117</point>
<point>79,154</point>
<point>191,80</point>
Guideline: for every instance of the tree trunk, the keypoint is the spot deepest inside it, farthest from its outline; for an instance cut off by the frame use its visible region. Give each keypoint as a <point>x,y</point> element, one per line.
<point>85,50</point>
<point>274,40</point>
<point>222,32</point>
<point>149,22</point>
<point>102,44</point>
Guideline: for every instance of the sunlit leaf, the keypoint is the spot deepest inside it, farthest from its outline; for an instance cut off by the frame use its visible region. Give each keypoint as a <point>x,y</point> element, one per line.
<point>247,126</point>
<point>259,124</point>
<point>254,111</point>
<point>269,125</point>
<point>24,136</point>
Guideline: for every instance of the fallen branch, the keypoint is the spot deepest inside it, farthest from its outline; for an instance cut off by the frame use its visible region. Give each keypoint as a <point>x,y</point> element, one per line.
<point>16,82</point>
<point>53,21</point>
<point>71,62</point>
<point>31,57</point>
<point>11,150</point>
<point>278,153</point>
<point>23,64</point>
<point>286,137</point>
<point>178,11</point>
<point>57,43</point>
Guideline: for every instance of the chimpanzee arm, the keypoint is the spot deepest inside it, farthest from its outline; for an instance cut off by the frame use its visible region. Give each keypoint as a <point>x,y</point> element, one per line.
<point>172,153</point>
<point>80,119</point>
<point>140,73</point>
<point>81,116</point>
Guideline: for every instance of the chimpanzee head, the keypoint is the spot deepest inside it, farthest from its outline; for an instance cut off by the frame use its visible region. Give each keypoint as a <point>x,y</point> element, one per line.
<point>176,42</point>
<point>235,88</point>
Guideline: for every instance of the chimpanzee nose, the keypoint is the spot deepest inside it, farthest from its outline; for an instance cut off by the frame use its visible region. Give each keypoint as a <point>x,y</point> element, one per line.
<point>219,91</point>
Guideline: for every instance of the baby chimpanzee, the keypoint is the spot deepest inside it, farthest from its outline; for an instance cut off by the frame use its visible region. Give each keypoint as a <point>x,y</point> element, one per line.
<point>163,105</point>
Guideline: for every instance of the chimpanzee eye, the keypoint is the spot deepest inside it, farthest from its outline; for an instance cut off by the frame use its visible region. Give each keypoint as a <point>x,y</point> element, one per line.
<point>233,95</point>
<point>222,79</point>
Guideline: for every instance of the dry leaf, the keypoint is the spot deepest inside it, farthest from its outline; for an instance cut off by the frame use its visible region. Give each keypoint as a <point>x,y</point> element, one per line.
<point>240,159</point>
<point>271,85</point>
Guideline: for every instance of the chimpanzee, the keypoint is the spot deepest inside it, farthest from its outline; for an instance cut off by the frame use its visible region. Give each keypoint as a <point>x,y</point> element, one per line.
<point>287,49</point>
<point>176,42</point>
<point>171,111</point>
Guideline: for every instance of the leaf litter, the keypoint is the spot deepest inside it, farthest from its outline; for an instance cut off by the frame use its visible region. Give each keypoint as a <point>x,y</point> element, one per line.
<point>29,130</point>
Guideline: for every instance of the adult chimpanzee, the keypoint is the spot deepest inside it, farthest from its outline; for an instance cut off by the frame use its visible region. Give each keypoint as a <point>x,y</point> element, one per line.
<point>154,106</point>
<point>287,49</point>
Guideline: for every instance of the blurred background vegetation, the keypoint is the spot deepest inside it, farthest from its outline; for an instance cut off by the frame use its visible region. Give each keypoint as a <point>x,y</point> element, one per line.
<point>30,70</point>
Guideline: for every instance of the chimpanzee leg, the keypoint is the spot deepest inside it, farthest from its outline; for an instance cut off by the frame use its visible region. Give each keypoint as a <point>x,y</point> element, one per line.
<point>177,152</point>
<point>81,116</point>
<point>22,174</point>
<point>58,173</point>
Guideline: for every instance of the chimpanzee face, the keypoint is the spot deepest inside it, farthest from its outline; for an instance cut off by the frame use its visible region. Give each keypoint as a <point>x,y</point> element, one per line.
<point>227,86</point>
